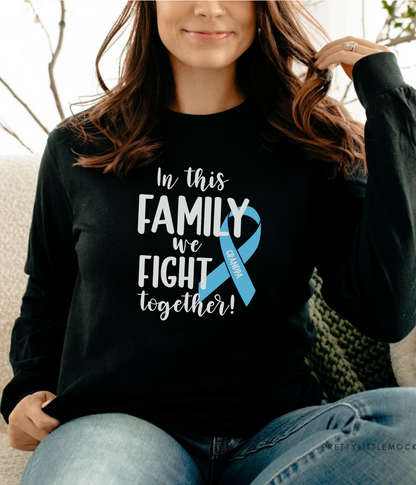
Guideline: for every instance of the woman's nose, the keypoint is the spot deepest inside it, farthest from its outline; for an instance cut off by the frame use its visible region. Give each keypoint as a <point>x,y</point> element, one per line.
<point>210,8</point>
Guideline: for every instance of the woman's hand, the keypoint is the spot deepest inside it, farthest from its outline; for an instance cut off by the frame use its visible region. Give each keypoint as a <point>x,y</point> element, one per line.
<point>334,53</point>
<point>28,424</point>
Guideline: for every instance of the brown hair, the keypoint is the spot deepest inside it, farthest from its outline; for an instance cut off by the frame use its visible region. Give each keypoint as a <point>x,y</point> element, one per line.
<point>127,117</point>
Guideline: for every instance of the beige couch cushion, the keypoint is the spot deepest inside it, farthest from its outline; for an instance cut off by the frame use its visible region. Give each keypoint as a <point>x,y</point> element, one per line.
<point>18,176</point>
<point>12,462</point>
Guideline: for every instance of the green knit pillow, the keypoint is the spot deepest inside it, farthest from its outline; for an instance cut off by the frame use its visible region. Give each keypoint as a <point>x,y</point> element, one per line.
<point>344,360</point>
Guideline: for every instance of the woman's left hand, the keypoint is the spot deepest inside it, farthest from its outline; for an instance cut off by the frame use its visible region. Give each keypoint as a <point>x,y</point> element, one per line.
<point>334,53</point>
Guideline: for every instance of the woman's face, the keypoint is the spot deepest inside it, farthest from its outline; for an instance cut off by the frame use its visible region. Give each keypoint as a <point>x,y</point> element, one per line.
<point>180,21</point>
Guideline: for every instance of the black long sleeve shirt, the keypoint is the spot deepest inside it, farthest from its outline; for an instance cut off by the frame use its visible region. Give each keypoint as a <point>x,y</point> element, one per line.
<point>180,294</point>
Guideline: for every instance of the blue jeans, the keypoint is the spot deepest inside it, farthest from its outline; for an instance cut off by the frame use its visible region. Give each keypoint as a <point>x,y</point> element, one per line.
<point>365,438</point>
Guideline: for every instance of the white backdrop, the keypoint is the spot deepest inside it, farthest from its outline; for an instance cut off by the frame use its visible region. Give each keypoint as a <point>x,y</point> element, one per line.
<point>25,54</point>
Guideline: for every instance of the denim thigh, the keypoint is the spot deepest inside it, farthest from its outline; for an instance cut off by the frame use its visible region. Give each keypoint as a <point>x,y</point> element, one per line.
<point>361,439</point>
<point>110,449</point>
<point>369,437</point>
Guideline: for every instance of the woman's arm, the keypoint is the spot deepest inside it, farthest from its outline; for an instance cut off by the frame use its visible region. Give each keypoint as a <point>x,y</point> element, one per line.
<point>365,247</point>
<point>38,333</point>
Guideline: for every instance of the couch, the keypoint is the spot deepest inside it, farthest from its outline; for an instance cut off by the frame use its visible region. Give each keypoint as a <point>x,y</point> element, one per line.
<point>17,190</point>
<point>343,360</point>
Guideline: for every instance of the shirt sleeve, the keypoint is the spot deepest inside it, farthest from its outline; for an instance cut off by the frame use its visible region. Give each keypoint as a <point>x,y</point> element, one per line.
<point>51,264</point>
<point>365,248</point>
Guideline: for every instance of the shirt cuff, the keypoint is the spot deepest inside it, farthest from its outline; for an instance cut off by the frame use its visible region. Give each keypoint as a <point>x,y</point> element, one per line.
<point>376,74</point>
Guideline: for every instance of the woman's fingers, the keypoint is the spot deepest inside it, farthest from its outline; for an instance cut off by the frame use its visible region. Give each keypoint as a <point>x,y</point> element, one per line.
<point>20,440</point>
<point>344,56</point>
<point>28,424</point>
<point>364,45</point>
<point>334,53</point>
<point>34,412</point>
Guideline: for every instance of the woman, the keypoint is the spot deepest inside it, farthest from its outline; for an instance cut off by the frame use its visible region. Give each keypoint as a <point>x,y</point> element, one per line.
<point>176,227</point>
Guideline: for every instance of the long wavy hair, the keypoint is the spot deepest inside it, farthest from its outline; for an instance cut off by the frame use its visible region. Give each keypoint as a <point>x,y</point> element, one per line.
<point>125,120</point>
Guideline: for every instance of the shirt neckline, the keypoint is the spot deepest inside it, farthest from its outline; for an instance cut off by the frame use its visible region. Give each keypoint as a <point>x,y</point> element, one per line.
<point>186,120</point>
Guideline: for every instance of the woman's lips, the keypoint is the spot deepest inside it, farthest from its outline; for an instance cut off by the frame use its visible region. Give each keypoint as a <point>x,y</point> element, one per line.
<point>208,36</point>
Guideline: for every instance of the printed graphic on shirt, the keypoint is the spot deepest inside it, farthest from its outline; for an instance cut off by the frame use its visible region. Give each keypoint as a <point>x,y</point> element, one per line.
<point>192,272</point>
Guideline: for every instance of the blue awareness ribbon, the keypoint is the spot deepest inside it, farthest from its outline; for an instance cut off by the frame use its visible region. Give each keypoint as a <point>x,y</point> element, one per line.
<point>233,265</point>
